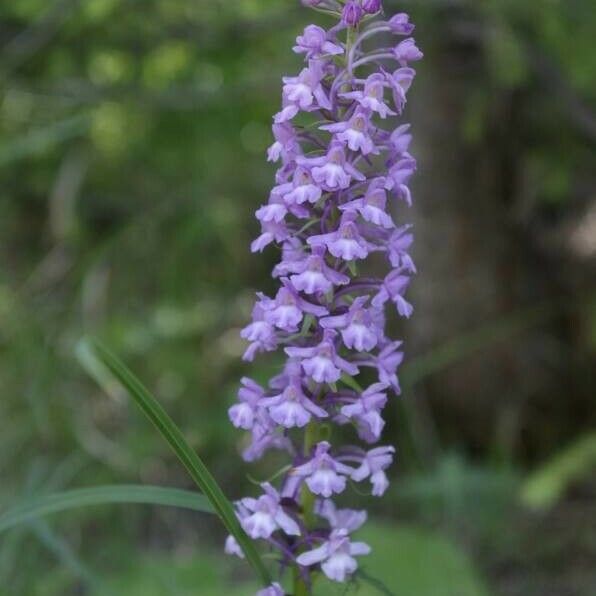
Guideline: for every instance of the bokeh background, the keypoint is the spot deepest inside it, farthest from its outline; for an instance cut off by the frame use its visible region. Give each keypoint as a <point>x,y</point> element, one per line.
<point>132,147</point>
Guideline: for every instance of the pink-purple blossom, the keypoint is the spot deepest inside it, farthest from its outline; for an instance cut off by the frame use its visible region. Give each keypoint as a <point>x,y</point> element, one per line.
<point>344,164</point>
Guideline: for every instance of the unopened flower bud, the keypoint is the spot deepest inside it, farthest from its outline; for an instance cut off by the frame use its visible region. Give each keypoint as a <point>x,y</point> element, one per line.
<point>371,6</point>
<point>400,24</point>
<point>352,13</point>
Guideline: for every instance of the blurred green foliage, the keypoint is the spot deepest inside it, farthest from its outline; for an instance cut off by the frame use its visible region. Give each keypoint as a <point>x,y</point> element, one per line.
<point>132,140</point>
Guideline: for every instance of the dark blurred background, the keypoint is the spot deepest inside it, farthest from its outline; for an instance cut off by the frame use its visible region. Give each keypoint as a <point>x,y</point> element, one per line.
<point>132,158</point>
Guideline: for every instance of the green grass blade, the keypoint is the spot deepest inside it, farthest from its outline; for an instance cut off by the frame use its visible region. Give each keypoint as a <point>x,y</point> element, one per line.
<point>545,487</point>
<point>93,350</point>
<point>37,507</point>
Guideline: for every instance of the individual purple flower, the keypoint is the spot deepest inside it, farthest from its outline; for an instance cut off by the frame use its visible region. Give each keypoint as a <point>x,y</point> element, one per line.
<point>355,132</point>
<point>372,206</point>
<point>265,515</point>
<point>393,288</point>
<point>276,210</point>
<point>291,408</point>
<point>271,231</point>
<point>303,92</point>
<point>373,466</point>
<point>347,519</point>
<point>286,145</point>
<point>288,308</point>
<point>332,171</point>
<point>372,96</point>
<point>398,177</point>
<point>302,189</point>
<point>323,474</point>
<point>346,242</point>
<point>336,555</point>
<point>273,590</point>
<point>312,275</point>
<point>398,245</point>
<point>321,362</point>
<point>243,413</point>
<point>407,51</point>
<point>233,548</point>
<point>292,252</point>
<point>387,363</point>
<point>314,43</point>
<point>260,333</point>
<point>265,435</point>
<point>400,139</point>
<point>366,412</point>
<point>399,82</point>
<point>356,326</point>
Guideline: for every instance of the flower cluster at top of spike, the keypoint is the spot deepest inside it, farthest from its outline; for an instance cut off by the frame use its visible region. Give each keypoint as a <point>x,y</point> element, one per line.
<point>341,169</point>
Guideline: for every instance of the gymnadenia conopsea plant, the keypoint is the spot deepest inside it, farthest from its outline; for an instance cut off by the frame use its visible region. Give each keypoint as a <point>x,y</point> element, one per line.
<point>342,164</point>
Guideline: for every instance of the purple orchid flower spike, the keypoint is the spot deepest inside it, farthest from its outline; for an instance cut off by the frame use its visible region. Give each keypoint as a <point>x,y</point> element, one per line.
<point>323,474</point>
<point>336,555</point>
<point>342,162</point>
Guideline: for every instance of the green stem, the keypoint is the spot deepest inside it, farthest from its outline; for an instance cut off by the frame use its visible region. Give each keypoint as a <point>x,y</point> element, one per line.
<point>300,587</point>
<point>307,502</point>
<point>311,436</point>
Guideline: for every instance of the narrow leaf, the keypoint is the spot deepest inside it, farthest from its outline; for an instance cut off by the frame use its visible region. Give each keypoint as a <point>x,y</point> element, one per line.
<point>548,483</point>
<point>172,434</point>
<point>37,507</point>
